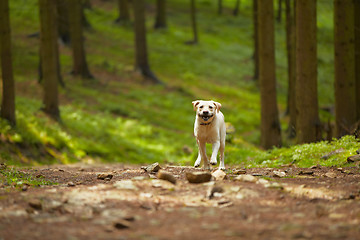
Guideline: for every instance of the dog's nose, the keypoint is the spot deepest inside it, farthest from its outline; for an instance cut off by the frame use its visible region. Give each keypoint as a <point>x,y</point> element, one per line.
<point>205,113</point>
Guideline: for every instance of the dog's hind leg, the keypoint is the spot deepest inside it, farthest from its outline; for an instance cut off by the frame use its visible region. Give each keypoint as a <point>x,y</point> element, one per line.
<point>222,162</point>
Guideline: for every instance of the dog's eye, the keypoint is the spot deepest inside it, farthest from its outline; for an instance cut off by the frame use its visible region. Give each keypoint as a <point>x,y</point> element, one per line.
<point>201,106</point>
<point>210,107</point>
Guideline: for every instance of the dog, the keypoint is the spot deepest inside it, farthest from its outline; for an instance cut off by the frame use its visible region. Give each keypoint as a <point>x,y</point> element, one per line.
<point>209,127</point>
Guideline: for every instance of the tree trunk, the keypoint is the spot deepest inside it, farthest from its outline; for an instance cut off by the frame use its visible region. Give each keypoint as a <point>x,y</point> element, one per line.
<point>160,21</point>
<point>63,21</point>
<point>236,8</point>
<point>124,13</point>
<point>256,39</point>
<point>141,54</point>
<point>279,13</point>
<point>220,7</point>
<point>345,99</point>
<point>290,47</point>
<point>49,57</point>
<point>80,67</point>
<point>193,22</point>
<point>307,121</point>
<point>357,57</point>
<point>270,125</point>
<point>8,88</point>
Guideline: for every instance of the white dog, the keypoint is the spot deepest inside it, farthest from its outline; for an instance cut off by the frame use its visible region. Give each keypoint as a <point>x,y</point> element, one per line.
<point>209,127</point>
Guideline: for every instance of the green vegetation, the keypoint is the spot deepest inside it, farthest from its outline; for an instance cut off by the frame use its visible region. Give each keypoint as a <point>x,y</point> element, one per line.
<point>17,178</point>
<point>119,118</point>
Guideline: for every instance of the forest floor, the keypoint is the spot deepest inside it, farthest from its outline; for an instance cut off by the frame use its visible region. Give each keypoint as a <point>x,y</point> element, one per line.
<point>127,202</point>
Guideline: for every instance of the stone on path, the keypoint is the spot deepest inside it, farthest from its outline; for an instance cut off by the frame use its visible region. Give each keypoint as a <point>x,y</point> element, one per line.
<point>219,175</point>
<point>246,178</point>
<point>104,176</point>
<point>166,176</point>
<point>198,177</point>
<point>354,158</point>
<point>155,167</point>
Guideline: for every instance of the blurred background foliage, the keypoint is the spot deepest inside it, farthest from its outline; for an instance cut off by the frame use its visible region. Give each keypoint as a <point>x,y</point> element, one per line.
<point>117,117</point>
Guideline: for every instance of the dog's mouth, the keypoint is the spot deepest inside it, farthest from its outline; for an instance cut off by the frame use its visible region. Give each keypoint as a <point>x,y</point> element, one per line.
<point>205,117</point>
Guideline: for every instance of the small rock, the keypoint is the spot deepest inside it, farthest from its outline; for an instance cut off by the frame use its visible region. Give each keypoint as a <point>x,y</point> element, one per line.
<point>239,171</point>
<point>122,224</point>
<point>166,176</point>
<point>306,172</point>
<point>103,176</point>
<point>125,184</point>
<point>71,184</point>
<point>219,175</point>
<point>262,181</point>
<point>25,187</point>
<point>246,178</point>
<point>279,174</point>
<point>354,158</point>
<point>256,174</point>
<point>198,177</point>
<point>274,185</point>
<point>155,167</point>
<point>35,203</point>
<point>330,174</point>
<point>212,191</point>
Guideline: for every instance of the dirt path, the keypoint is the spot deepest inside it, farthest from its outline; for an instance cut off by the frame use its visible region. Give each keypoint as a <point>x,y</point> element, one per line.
<point>130,203</point>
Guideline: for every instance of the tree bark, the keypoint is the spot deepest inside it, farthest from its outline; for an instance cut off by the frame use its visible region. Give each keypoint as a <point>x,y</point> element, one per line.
<point>63,21</point>
<point>220,7</point>
<point>307,119</point>
<point>80,67</point>
<point>256,39</point>
<point>291,61</point>
<point>124,13</point>
<point>160,21</point>
<point>8,89</point>
<point>141,53</point>
<point>236,8</point>
<point>357,57</point>
<point>49,57</point>
<point>270,125</point>
<point>345,99</point>
<point>193,22</point>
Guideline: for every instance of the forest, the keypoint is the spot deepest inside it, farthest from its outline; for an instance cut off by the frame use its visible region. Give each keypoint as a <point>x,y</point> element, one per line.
<point>115,87</point>
<point>97,123</point>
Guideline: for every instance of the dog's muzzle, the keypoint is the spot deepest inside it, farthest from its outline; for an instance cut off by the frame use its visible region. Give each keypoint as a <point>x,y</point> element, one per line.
<point>205,116</point>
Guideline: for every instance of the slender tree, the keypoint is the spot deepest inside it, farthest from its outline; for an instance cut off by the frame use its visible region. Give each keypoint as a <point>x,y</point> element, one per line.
<point>279,11</point>
<point>345,98</point>
<point>63,21</point>
<point>236,8</point>
<point>124,13</point>
<point>8,88</point>
<point>49,57</point>
<point>193,22</point>
<point>160,21</point>
<point>256,39</point>
<point>220,7</point>
<point>80,67</point>
<point>357,57</point>
<point>270,125</point>
<point>290,47</point>
<point>141,53</point>
<point>307,118</point>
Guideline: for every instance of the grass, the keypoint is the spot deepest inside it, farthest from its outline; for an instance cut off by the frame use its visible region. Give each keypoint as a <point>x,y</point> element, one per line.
<point>119,118</point>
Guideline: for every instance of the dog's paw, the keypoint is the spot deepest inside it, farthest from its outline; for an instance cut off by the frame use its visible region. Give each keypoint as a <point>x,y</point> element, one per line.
<point>197,163</point>
<point>222,167</point>
<point>213,162</point>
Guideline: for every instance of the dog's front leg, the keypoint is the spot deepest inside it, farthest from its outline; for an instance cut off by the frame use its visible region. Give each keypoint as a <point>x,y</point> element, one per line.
<point>202,154</point>
<point>215,150</point>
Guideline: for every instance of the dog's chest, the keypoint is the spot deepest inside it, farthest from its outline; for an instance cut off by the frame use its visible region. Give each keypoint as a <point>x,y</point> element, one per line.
<point>206,133</point>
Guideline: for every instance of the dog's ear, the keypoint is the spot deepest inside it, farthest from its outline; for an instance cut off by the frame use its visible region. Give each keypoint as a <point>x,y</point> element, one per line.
<point>217,106</point>
<point>195,103</point>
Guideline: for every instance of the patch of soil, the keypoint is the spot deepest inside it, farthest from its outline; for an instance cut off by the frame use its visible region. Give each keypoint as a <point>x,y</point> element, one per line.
<point>126,202</point>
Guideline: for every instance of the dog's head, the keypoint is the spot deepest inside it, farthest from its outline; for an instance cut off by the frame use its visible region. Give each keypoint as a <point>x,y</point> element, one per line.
<point>206,110</point>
